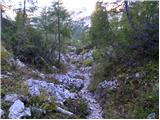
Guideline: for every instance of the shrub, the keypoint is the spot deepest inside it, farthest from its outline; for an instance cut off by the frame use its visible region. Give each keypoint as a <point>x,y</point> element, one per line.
<point>87,62</point>
<point>5,55</point>
<point>78,107</point>
<point>97,54</point>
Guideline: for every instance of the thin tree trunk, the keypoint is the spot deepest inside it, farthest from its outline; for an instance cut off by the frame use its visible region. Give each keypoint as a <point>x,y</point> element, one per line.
<point>1,19</point>
<point>2,11</point>
<point>135,33</point>
<point>22,35</point>
<point>59,41</point>
<point>45,26</point>
<point>128,12</point>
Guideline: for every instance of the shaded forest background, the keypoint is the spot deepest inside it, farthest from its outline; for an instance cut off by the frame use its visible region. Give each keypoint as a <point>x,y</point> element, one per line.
<point>125,43</point>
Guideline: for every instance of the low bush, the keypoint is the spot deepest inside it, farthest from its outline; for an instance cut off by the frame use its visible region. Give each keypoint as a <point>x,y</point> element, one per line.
<point>78,106</point>
<point>87,62</point>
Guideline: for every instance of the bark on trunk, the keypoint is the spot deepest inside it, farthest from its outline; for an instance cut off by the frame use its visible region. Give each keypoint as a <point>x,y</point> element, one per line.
<point>59,41</point>
<point>22,35</point>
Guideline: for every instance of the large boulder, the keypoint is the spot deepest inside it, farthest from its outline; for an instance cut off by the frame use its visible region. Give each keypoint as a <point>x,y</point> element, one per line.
<point>57,91</point>
<point>18,110</point>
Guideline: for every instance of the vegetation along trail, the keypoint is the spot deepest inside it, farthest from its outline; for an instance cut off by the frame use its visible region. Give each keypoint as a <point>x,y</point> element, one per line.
<point>62,64</point>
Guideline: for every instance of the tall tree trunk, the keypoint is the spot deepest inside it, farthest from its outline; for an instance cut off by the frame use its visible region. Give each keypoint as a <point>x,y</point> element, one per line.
<point>22,35</point>
<point>128,12</point>
<point>45,25</point>
<point>2,11</point>
<point>1,19</point>
<point>59,41</point>
<point>135,33</point>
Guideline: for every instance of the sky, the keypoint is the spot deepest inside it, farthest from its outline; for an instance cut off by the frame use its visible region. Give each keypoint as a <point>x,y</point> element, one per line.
<point>86,6</point>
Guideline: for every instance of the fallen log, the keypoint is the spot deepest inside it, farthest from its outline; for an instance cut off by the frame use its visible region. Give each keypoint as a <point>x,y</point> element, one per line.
<point>61,110</point>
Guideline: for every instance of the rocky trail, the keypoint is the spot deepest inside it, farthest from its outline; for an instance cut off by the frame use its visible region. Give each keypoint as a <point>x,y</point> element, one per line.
<point>72,60</point>
<point>94,107</point>
<point>77,76</point>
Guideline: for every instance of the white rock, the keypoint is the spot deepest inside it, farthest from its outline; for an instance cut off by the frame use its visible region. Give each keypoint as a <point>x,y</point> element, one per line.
<point>1,113</point>
<point>74,73</point>
<point>57,91</point>
<point>109,50</point>
<point>137,75</point>
<point>54,67</point>
<point>12,62</point>
<point>88,55</point>
<point>85,69</point>
<point>20,64</point>
<point>11,97</point>
<point>18,110</point>
<point>3,76</point>
<point>10,74</point>
<point>71,48</point>
<point>68,81</point>
<point>34,90</point>
<point>110,84</point>
<point>42,75</point>
<point>151,116</point>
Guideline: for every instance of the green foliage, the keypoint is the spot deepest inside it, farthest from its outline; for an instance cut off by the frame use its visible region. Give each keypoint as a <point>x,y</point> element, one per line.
<point>14,85</point>
<point>40,36</point>
<point>134,60</point>
<point>41,102</point>
<point>97,54</point>
<point>100,72</point>
<point>5,55</point>
<point>87,62</point>
<point>151,70</point>
<point>139,94</point>
<point>78,107</point>
<point>100,32</point>
<point>5,106</point>
<point>49,107</point>
<point>38,100</point>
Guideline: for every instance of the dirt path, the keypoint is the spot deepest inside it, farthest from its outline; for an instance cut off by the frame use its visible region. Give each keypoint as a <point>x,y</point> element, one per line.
<point>95,109</point>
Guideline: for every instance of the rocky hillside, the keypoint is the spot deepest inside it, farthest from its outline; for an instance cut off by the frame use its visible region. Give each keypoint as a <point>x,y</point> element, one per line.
<point>28,93</point>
